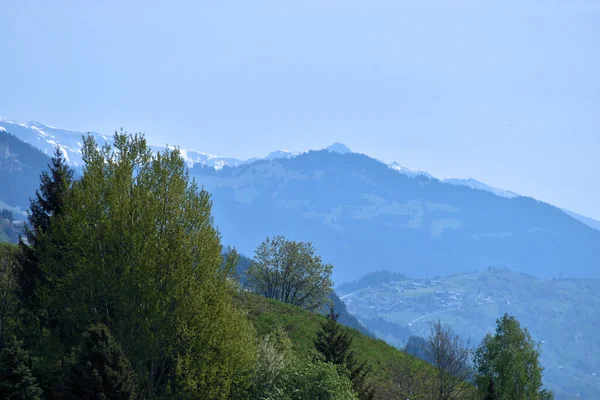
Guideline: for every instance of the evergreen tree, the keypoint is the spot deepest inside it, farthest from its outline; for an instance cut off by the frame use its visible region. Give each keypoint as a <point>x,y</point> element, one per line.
<point>49,202</point>
<point>16,379</point>
<point>102,370</point>
<point>334,343</point>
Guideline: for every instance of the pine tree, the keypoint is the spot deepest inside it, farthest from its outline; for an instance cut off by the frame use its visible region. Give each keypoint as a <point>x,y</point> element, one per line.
<point>334,344</point>
<point>16,379</point>
<point>49,202</point>
<point>102,370</point>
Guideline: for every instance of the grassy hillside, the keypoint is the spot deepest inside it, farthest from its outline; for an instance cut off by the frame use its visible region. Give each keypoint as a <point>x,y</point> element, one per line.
<point>302,326</point>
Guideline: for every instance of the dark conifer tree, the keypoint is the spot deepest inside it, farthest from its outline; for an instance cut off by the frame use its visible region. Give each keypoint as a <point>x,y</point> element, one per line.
<point>101,372</point>
<point>334,343</point>
<point>49,201</point>
<point>16,379</point>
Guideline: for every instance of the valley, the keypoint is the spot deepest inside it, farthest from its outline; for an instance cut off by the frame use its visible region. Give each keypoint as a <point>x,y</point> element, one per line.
<point>562,313</point>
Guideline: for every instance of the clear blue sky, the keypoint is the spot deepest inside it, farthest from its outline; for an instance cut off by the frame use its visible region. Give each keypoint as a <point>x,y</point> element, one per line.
<point>508,93</point>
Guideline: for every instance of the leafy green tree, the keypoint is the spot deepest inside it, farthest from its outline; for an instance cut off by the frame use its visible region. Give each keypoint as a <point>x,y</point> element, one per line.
<point>102,370</point>
<point>274,354</point>
<point>316,380</point>
<point>510,359</point>
<point>290,272</point>
<point>134,248</point>
<point>334,343</point>
<point>16,379</point>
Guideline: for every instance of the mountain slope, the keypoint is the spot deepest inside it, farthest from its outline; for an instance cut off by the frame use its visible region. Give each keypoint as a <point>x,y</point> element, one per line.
<point>475,184</point>
<point>362,216</point>
<point>20,169</point>
<point>302,326</point>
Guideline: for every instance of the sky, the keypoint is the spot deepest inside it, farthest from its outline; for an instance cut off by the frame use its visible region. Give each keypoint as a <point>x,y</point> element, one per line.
<point>507,92</point>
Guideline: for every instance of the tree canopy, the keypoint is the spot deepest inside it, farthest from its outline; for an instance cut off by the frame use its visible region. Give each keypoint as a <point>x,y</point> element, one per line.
<point>507,363</point>
<point>290,272</point>
<point>132,245</point>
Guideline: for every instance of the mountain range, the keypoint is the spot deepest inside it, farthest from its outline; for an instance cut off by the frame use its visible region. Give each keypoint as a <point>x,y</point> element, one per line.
<point>46,138</point>
<point>361,214</point>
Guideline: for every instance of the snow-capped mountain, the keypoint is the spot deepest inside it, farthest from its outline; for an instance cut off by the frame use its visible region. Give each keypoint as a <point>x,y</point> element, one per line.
<point>46,138</point>
<point>408,171</point>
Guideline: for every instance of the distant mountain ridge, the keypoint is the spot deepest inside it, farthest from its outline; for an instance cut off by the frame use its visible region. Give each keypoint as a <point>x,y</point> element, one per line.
<point>361,215</point>
<point>45,137</point>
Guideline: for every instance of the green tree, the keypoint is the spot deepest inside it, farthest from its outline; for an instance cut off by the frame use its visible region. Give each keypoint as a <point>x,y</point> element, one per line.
<point>8,304</point>
<point>290,272</point>
<point>102,370</point>
<point>510,359</point>
<point>274,354</point>
<point>49,202</point>
<point>334,344</point>
<point>16,379</point>
<point>315,380</point>
<point>134,248</point>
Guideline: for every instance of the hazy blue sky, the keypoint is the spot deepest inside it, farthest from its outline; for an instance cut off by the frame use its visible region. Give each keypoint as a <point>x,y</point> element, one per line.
<point>508,93</point>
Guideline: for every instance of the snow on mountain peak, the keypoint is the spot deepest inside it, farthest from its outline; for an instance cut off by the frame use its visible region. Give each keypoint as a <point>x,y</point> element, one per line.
<point>407,171</point>
<point>282,154</point>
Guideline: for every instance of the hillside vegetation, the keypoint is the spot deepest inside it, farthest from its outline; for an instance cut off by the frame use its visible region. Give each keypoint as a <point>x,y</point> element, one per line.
<point>302,326</point>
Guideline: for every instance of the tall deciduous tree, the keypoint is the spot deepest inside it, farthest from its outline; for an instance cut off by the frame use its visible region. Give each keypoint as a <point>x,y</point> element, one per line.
<point>510,359</point>
<point>135,248</point>
<point>290,272</point>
